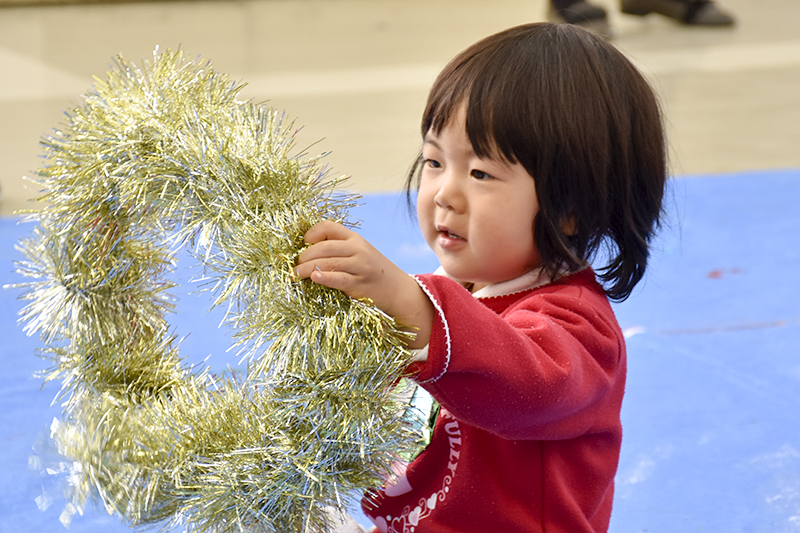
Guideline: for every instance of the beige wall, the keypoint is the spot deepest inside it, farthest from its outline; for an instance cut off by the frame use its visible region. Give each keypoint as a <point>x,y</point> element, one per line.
<point>355,73</point>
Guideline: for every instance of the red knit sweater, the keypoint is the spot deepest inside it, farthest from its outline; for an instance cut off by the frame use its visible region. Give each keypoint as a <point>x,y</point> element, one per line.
<point>529,433</point>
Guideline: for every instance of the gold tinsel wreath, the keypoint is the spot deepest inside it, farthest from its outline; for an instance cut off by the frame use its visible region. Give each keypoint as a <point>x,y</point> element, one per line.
<point>164,156</point>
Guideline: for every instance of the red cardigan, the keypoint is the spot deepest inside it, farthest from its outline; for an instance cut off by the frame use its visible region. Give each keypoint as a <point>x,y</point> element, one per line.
<point>529,433</point>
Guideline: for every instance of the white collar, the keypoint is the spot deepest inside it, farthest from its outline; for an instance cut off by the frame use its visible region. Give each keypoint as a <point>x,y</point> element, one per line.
<point>530,280</point>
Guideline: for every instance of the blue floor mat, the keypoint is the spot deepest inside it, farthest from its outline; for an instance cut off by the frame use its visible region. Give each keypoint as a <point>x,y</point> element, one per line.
<point>711,415</point>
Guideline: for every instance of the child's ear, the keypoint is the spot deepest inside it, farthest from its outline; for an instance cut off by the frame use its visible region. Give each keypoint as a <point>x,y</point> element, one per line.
<point>569,226</point>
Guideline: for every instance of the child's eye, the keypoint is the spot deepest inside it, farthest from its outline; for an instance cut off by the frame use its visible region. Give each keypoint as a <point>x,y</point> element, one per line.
<point>480,175</point>
<point>431,163</point>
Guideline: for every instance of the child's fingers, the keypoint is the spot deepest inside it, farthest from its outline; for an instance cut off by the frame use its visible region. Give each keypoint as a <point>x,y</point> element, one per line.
<point>305,269</point>
<point>326,248</point>
<point>327,239</point>
<point>330,273</point>
<point>325,230</point>
<point>333,279</point>
<point>327,256</point>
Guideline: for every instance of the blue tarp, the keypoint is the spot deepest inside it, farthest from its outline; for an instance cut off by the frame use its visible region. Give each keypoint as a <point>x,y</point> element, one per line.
<point>712,411</point>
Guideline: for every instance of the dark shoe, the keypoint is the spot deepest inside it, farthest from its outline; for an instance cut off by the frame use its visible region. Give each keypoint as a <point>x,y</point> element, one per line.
<point>582,13</point>
<point>692,12</point>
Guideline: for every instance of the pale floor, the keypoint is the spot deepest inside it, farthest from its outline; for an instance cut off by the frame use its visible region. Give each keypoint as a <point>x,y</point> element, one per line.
<point>355,73</point>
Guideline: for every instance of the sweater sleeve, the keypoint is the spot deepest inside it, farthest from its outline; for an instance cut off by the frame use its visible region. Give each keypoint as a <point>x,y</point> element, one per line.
<point>540,368</point>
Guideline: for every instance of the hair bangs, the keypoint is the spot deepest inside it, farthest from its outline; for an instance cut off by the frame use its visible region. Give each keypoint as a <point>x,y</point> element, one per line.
<point>477,81</point>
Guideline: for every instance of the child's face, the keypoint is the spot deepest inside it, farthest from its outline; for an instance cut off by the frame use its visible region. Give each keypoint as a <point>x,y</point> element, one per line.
<point>476,214</point>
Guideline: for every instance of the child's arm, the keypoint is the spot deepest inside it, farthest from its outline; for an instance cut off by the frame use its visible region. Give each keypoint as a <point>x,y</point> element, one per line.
<point>342,259</point>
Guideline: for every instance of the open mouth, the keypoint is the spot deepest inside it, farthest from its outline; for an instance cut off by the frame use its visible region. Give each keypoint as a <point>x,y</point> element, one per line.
<point>447,233</point>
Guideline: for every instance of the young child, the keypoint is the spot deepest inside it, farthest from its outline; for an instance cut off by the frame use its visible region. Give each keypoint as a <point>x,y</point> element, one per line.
<point>542,146</point>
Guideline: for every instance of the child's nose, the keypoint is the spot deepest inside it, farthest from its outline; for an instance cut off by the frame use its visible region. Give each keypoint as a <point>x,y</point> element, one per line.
<point>449,195</point>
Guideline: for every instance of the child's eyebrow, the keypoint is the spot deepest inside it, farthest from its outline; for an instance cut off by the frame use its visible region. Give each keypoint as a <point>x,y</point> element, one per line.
<point>435,143</point>
<point>432,142</point>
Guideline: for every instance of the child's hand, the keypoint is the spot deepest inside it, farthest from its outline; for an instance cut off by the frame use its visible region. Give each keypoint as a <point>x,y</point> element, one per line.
<point>342,259</point>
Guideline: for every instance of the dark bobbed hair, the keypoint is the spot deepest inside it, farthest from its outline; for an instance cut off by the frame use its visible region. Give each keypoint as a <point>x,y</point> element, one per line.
<point>582,120</point>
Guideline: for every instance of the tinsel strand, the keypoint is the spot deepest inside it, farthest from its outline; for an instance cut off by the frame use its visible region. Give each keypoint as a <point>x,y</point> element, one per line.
<point>155,159</point>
